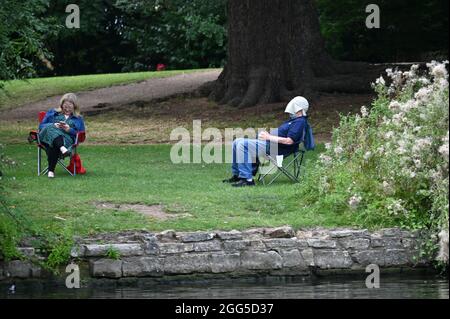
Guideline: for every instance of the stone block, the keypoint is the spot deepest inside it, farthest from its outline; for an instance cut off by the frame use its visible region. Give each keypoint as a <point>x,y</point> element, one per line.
<point>321,243</point>
<point>187,264</point>
<point>142,267</point>
<point>196,237</point>
<point>254,260</point>
<point>222,263</point>
<point>333,259</point>
<point>124,250</point>
<point>355,243</point>
<point>231,235</point>
<point>107,268</point>
<point>280,232</point>
<point>175,248</point>
<point>214,245</point>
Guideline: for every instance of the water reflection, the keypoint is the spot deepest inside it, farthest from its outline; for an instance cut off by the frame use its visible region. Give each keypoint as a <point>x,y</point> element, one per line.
<point>273,288</point>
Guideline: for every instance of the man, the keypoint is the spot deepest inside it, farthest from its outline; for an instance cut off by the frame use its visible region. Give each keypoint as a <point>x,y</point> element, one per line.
<point>283,141</point>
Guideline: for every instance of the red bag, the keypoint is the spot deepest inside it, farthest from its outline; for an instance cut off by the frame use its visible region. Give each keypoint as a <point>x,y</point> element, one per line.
<point>160,67</point>
<point>78,165</point>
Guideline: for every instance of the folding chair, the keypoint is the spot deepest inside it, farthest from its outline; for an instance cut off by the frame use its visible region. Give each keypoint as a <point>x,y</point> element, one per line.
<point>291,169</point>
<point>34,136</point>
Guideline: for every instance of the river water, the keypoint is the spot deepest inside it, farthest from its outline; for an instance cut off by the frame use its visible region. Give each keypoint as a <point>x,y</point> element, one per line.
<point>398,287</point>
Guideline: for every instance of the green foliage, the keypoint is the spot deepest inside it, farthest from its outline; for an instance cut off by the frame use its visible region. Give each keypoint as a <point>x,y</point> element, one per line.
<point>21,38</point>
<point>58,247</point>
<point>129,36</point>
<point>389,164</point>
<point>91,48</point>
<point>178,33</point>
<point>112,253</point>
<point>13,225</point>
<point>410,30</point>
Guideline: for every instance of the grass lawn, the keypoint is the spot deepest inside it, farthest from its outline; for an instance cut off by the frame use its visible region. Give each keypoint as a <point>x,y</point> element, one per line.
<point>20,92</point>
<point>145,174</point>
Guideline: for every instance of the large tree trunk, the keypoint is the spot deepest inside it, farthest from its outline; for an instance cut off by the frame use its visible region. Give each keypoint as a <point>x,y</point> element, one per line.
<point>275,52</point>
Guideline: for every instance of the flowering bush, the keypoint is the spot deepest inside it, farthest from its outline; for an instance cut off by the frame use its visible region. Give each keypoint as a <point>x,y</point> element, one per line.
<point>389,164</point>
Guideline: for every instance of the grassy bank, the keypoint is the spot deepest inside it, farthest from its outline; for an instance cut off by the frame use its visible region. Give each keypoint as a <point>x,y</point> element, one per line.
<point>19,92</point>
<point>145,174</point>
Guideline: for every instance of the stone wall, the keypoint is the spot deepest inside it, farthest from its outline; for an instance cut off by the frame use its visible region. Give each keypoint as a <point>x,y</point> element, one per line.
<point>274,251</point>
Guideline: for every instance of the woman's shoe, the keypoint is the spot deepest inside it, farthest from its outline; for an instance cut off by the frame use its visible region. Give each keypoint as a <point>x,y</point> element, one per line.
<point>51,175</point>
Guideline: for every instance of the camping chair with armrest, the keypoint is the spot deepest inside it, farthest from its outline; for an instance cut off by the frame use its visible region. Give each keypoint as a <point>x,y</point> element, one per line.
<point>305,144</point>
<point>34,136</point>
<point>291,169</point>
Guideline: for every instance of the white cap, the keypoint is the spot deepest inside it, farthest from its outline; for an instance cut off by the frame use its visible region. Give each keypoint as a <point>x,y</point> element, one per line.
<point>297,104</point>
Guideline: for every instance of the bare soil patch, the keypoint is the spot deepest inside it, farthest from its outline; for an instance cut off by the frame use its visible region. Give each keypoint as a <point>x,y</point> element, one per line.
<point>153,211</point>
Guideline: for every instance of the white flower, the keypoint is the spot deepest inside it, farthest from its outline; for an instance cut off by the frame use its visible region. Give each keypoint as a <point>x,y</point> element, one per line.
<point>394,106</point>
<point>364,111</point>
<point>444,148</point>
<point>424,81</point>
<point>397,208</point>
<point>406,107</point>
<point>421,144</point>
<point>367,156</point>
<point>397,119</point>
<point>418,163</point>
<point>327,146</point>
<point>389,135</point>
<point>325,159</point>
<point>325,186</point>
<point>387,188</point>
<point>435,175</point>
<point>423,94</point>
<point>442,84</point>
<point>417,129</point>
<point>354,201</point>
<point>380,81</point>
<point>439,71</point>
<point>338,150</point>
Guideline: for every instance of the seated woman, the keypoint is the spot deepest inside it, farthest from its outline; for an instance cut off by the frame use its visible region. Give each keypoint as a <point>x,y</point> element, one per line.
<point>58,130</point>
<point>283,141</point>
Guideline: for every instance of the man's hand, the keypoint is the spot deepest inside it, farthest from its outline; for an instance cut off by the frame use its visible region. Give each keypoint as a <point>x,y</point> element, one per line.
<point>264,136</point>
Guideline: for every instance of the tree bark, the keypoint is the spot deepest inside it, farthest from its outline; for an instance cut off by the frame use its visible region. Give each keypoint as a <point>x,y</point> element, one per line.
<point>275,52</point>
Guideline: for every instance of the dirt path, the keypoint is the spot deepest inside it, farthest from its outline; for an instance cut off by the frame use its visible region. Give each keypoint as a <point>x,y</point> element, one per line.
<point>116,96</point>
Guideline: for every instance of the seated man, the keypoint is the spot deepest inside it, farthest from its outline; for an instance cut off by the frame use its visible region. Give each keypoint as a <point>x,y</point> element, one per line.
<point>285,140</point>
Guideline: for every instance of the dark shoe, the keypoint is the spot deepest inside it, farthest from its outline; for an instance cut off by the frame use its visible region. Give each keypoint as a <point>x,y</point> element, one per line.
<point>234,179</point>
<point>244,183</point>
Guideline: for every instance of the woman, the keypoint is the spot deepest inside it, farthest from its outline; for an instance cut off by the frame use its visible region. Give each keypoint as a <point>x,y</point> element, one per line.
<point>58,130</point>
<point>282,141</point>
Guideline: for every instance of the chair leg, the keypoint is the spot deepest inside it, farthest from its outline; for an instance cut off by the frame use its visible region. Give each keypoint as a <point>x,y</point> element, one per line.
<point>74,164</point>
<point>39,161</point>
<point>283,170</point>
<point>60,162</point>
<point>40,171</point>
<point>262,176</point>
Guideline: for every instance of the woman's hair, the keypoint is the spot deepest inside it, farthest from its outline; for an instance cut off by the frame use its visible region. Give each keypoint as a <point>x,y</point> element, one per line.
<point>70,97</point>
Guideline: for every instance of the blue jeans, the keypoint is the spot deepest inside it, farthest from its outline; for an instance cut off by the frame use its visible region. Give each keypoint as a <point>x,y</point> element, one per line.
<point>245,152</point>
